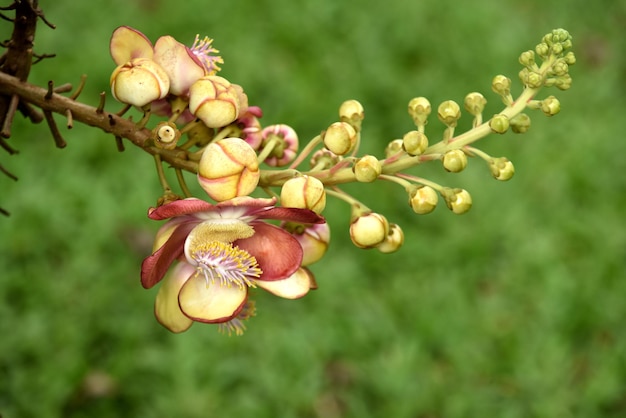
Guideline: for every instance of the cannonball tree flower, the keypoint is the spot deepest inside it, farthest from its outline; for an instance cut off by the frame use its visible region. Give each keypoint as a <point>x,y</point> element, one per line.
<point>279,145</point>
<point>222,250</point>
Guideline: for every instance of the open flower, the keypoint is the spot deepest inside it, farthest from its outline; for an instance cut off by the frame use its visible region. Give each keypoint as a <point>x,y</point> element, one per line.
<point>223,250</point>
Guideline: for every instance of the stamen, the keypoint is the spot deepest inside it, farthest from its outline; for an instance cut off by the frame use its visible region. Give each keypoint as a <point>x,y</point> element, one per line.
<point>203,49</point>
<point>227,263</point>
<point>236,324</point>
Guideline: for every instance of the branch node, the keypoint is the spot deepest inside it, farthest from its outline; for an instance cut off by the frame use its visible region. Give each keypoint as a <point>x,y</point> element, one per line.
<point>56,135</point>
<point>50,92</point>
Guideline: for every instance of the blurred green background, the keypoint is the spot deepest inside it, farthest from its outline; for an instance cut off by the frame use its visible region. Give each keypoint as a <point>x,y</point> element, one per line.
<point>515,309</point>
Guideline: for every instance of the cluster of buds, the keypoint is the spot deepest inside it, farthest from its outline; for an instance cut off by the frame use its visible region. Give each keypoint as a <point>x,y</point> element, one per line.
<point>211,254</point>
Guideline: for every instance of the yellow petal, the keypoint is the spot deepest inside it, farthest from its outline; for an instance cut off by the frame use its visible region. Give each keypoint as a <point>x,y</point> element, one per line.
<point>211,301</point>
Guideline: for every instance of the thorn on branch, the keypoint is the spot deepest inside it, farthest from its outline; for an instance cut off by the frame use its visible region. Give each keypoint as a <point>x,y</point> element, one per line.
<point>70,119</point>
<point>56,135</point>
<point>8,173</point>
<point>63,88</point>
<point>119,143</point>
<point>40,57</point>
<point>7,147</point>
<point>100,107</point>
<point>50,92</point>
<point>8,118</point>
<point>30,112</point>
<point>79,89</point>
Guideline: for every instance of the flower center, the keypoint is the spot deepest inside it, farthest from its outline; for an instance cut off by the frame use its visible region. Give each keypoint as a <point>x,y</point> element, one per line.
<point>203,49</point>
<point>229,264</point>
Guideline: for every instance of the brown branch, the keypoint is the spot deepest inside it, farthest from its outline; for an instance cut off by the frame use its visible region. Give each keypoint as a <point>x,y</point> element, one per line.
<point>89,115</point>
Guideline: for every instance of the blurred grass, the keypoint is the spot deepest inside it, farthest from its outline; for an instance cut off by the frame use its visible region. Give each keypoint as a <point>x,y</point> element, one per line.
<point>513,310</point>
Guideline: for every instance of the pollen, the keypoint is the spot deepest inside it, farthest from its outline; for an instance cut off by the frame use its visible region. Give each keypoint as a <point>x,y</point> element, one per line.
<point>226,263</point>
<point>202,49</point>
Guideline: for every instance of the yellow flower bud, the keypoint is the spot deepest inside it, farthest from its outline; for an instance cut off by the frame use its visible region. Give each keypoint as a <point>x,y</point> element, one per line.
<point>351,111</point>
<point>304,192</point>
<point>501,85</point>
<point>139,82</point>
<point>454,161</point>
<point>419,109</point>
<point>423,199</point>
<point>499,124</point>
<point>550,106</point>
<point>475,103</point>
<point>394,147</point>
<point>368,231</point>
<point>367,169</point>
<point>414,142</point>
<point>214,100</point>
<point>449,113</point>
<point>458,201</point>
<point>340,138</point>
<point>393,241</point>
<point>228,168</point>
<point>520,123</point>
<point>501,168</point>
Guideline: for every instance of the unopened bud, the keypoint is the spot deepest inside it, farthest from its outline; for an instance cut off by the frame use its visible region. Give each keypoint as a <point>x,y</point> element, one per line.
<point>323,159</point>
<point>449,113</point>
<point>414,142</point>
<point>563,82</point>
<point>139,82</point>
<point>499,124</point>
<point>394,147</point>
<point>166,135</point>
<point>501,168</point>
<point>367,169</point>
<point>520,123</point>
<point>284,140</point>
<point>419,110</point>
<point>474,103</point>
<point>340,138</point>
<point>351,111</point>
<point>458,201</point>
<point>550,106</point>
<point>214,100</point>
<point>304,192</point>
<point>369,231</point>
<point>228,168</point>
<point>454,161</point>
<point>501,85</point>
<point>534,80</point>
<point>423,199</point>
<point>393,241</point>
<point>527,58</point>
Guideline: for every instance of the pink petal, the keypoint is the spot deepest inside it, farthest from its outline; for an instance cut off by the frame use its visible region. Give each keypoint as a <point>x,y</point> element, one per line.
<point>128,43</point>
<point>179,208</point>
<point>156,265</point>
<point>180,64</point>
<point>166,307</point>
<point>293,287</point>
<point>211,302</point>
<point>278,254</point>
<point>304,216</point>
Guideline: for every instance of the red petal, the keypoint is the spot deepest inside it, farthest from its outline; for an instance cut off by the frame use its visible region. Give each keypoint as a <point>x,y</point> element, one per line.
<point>304,216</point>
<point>278,254</point>
<point>156,265</point>
<point>179,208</point>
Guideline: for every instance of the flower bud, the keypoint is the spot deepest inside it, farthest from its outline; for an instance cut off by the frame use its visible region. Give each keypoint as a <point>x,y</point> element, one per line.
<point>458,201</point>
<point>367,169</point>
<point>313,239</point>
<point>499,124</point>
<point>520,123</point>
<point>474,103</point>
<point>284,142</point>
<point>323,159</point>
<point>423,199</point>
<point>449,113</point>
<point>564,82</point>
<point>351,111</point>
<point>560,67</point>
<point>534,80</point>
<point>550,106</point>
<point>340,138</point>
<point>370,230</point>
<point>501,85</point>
<point>214,100</point>
<point>527,58</point>
<point>139,82</point>
<point>304,192</point>
<point>454,161</point>
<point>394,147</point>
<point>228,168</point>
<point>501,168</point>
<point>414,143</point>
<point>542,50</point>
<point>393,241</point>
<point>419,109</point>
<point>166,135</point>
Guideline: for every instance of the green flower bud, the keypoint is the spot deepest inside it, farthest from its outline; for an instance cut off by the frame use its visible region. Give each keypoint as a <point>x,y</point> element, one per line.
<point>166,135</point>
<point>501,85</point>
<point>458,200</point>
<point>560,67</point>
<point>520,123</point>
<point>542,50</point>
<point>351,111</point>
<point>419,109</point>
<point>550,106</point>
<point>304,192</point>
<point>475,103</point>
<point>340,138</point>
<point>393,241</point>
<point>534,80</point>
<point>414,142</point>
<point>423,199</point>
<point>564,82</point>
<point>454,161</point>
<point>394,147</point>
<point>527,58</point>
<point>499,124</point>
<point>367,169</point>
<point>501,168</point>
<point>449,113</point>
<point>369,231</point>
<point>570,58</point>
